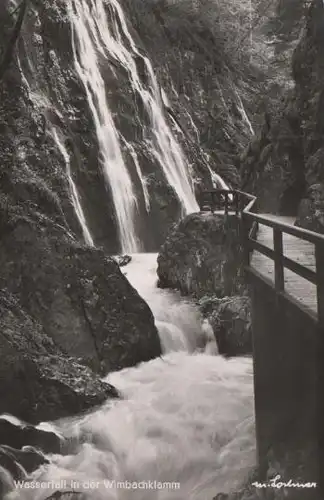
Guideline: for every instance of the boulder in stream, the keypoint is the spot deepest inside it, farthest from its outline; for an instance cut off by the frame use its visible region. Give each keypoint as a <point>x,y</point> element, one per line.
<point>77,294</point>
<point>38,381</point>
<point>230,319</point>
<point>202,255</point>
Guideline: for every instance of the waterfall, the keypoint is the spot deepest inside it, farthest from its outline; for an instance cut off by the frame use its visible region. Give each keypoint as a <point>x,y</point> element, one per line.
<point>73,189</point>
<point>84,34</point>
<point>164,146</point>
<point>94,36</point>
<point>184,429</point>
<point>217,181</point>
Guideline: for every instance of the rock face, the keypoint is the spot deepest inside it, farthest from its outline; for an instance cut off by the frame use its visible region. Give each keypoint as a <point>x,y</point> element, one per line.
<point>37,380</point>
<point>202,256</point>
<point>283,166</point>
<point>208,101</point>
<point>66,310</point>
<point>17,434</point>
<point>78,295</point>
<point>231,321</point>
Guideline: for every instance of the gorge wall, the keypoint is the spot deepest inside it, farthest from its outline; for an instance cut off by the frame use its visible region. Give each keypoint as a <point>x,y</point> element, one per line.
<point>113,115</point>
<point>110,114</point>
<point>176,118</point>
<point>283,166</point>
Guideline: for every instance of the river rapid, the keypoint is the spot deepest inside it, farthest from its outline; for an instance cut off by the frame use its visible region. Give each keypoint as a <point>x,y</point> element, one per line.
<point>183,430</point>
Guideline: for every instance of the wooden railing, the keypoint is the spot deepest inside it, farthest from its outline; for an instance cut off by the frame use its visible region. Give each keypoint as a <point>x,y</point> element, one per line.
<point>244,205</point>
<point>288,341</point>
<point>220,199</point>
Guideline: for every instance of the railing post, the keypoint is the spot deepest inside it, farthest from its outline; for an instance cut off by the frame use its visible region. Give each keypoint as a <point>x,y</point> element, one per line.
<point>246,246</point>
<point>278,260</point>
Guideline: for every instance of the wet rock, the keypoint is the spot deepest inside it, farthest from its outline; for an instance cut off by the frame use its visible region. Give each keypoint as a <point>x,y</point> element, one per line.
<point>38,381</point>
<point>202,256</point>
<point>19,434</point>
<point>29,459</point>
<point>230,319</point>
<point>123,260</point>
<point>311,209</point>
<point>37,388</point>
<point>9,463</point>
<point>78,295</point>
<point>165,210</point>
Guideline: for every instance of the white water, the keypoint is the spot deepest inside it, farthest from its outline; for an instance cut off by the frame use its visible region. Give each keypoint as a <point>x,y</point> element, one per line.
<point>185,418</point>
<point>95,35</point>
<point>180,324</point>
<point>165,147</point>
<point>73,190</point>
<point>117,177</point>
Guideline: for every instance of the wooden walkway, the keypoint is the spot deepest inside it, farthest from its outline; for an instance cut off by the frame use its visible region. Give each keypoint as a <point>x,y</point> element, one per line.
<point>300,251</point>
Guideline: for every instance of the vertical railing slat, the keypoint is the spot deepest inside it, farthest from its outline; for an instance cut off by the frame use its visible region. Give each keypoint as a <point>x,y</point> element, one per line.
<point>236,202</point>
<point>246,246</point>
<point>278,263</point>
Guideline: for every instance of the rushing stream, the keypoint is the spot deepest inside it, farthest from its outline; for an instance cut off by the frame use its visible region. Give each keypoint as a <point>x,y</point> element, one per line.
<point>184,429</point>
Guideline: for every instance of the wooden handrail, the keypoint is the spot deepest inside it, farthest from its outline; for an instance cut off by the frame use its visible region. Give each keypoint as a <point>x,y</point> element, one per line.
<point>250,222</point>
<point>299,232</point>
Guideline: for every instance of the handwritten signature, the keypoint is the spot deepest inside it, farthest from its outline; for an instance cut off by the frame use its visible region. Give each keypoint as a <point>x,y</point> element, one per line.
<point>276,483</point>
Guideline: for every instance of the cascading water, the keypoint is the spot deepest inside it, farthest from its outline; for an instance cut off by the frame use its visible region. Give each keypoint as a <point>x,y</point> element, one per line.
<point>165,147</point>
<point>73,190</point>
<point>84,32</point>
<point>180,325</point>
<point>184,430</point>
<point>93,36</point>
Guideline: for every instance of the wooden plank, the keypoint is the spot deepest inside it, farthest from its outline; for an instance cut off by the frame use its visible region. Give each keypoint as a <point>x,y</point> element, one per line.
<point>301,252</point>
<point>300,268</point>
<point>283,253</point>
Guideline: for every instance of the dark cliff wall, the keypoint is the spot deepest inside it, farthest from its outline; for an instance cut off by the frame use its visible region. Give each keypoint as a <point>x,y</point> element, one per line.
<point>215,84</point>
<point>202,54</point>
<point>75,296</point>
<point>283,166</point>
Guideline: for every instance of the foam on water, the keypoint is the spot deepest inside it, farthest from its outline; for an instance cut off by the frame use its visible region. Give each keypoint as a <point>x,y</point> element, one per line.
<point>186,418</point>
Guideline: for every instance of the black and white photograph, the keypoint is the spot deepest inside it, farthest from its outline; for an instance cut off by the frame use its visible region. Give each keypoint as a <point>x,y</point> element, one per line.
<point>161,249</point>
